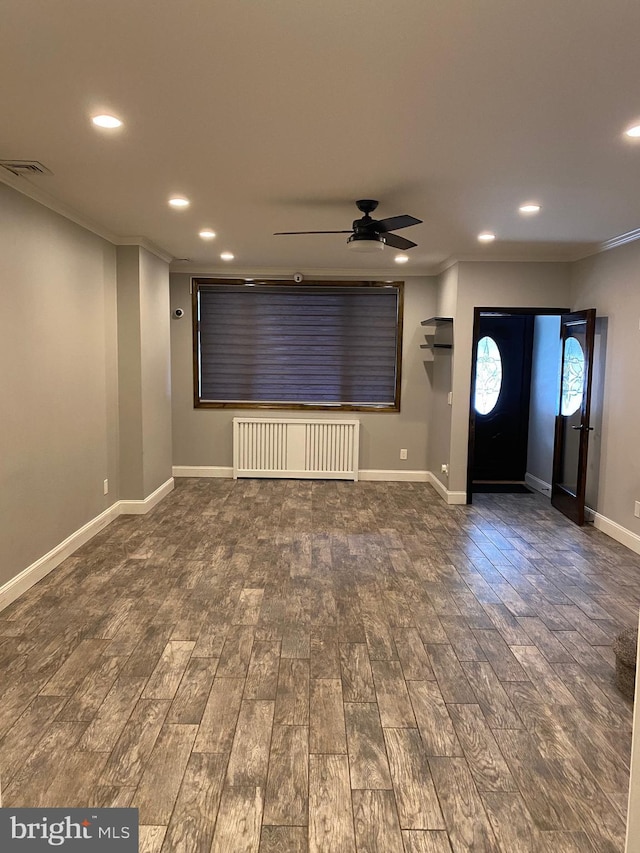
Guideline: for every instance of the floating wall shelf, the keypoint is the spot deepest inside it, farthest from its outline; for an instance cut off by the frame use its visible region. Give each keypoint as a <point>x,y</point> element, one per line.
<point>442,335</point>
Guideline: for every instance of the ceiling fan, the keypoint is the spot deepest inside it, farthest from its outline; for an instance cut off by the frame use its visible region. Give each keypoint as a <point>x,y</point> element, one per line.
<point>369,235</point>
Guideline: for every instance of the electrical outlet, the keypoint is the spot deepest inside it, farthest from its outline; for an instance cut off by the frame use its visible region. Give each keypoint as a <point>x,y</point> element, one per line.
<point>444,469</point>
<point>636,511</point>
<point>105,487</point>
<point>403,454</point>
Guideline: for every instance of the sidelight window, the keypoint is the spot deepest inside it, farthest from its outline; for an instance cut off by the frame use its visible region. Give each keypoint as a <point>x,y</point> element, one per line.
<point>488,376</point>
<point>572,376</point>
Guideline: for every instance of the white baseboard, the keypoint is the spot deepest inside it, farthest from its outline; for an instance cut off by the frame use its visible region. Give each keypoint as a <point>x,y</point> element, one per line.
<point>452,498</point>
<point>538,484</point>
<point>143,506</point>
<point>202,471</point>
<point>367,474</point>
<point>616,531</point>
<point>371,474</point>
<point>23,581</point>
<point>394,476</point>
<point>14,588</point>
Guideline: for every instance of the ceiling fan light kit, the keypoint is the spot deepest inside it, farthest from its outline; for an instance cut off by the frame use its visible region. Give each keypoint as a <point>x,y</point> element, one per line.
<point>366,234</point>
<point>365,243</point>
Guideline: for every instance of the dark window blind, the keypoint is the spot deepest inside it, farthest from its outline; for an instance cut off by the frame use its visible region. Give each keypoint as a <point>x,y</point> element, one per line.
<point>306,345</point>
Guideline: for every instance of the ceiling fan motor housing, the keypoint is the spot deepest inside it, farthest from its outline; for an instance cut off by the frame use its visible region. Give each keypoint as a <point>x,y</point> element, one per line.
<point>365,228</point>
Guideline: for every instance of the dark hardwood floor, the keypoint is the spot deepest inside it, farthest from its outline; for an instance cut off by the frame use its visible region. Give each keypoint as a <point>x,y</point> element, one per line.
<point>293,667</point>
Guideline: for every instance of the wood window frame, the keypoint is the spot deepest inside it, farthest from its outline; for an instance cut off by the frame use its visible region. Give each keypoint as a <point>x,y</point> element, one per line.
<point>197,283</point>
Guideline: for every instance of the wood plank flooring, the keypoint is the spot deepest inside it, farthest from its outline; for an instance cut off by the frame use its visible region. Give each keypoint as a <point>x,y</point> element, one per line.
<point>273,666</point>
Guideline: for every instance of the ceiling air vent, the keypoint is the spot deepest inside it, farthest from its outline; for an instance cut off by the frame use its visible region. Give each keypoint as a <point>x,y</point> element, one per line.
<point>25,168</point>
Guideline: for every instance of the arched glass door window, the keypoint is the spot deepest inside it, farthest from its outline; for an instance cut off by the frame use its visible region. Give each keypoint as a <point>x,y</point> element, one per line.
<point>572,377</point>
<point>488,376</point>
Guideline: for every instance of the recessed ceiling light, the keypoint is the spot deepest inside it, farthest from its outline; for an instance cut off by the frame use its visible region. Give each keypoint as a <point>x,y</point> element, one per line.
<point>227,256</point>
<point>401,259</point>
<point>207,234</point>
<point>106,121</point>
<point>179,202</point>
<point>529,207</point>
<point>633,132</point>
<point>486,237</point>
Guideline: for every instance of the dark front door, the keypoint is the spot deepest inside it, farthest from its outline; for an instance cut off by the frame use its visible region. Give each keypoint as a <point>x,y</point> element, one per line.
<point>569,484</point>
<point>500,403</point>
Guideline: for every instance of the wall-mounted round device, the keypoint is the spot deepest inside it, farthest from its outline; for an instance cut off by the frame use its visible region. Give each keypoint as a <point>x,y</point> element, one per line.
<point>179,312</point>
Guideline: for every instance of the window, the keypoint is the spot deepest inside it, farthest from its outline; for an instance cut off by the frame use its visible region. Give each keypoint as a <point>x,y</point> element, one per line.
<point>320,345</point>
<point>488,376</point>
<point>572,376</point>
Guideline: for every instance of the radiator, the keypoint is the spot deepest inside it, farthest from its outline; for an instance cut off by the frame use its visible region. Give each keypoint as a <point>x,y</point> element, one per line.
<point>309,449</point>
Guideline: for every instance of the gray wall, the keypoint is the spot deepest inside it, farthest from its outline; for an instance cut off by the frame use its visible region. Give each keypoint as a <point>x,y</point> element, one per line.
<point>58,379</point>
<point>129,373</point>
<point>610,283</point>
<point>144,370</point>
<point>202,437</point>
<point>85,378</point>
<point>543,403</point>
<point>440,371</point>
<point>156,371</point>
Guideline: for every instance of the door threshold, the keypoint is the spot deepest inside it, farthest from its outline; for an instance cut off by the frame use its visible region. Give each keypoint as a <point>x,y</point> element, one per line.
<point>515,487</point>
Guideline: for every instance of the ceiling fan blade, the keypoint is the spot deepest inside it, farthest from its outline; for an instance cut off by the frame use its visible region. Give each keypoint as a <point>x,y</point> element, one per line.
<point>393,223</point>
<point>280,233</point>
<point>398,242</point>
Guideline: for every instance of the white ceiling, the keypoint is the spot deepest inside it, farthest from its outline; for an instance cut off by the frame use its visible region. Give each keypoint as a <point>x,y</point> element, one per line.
<point>274,115</point>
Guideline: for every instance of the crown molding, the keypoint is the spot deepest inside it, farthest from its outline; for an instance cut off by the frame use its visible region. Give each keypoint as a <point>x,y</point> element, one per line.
<point>454,260</point>
<point>145,244</point>
<point>620,240</point>
<point>518,258</point>
<point>263,274</point>
<point>25,187</point>
<point>445,265</point>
